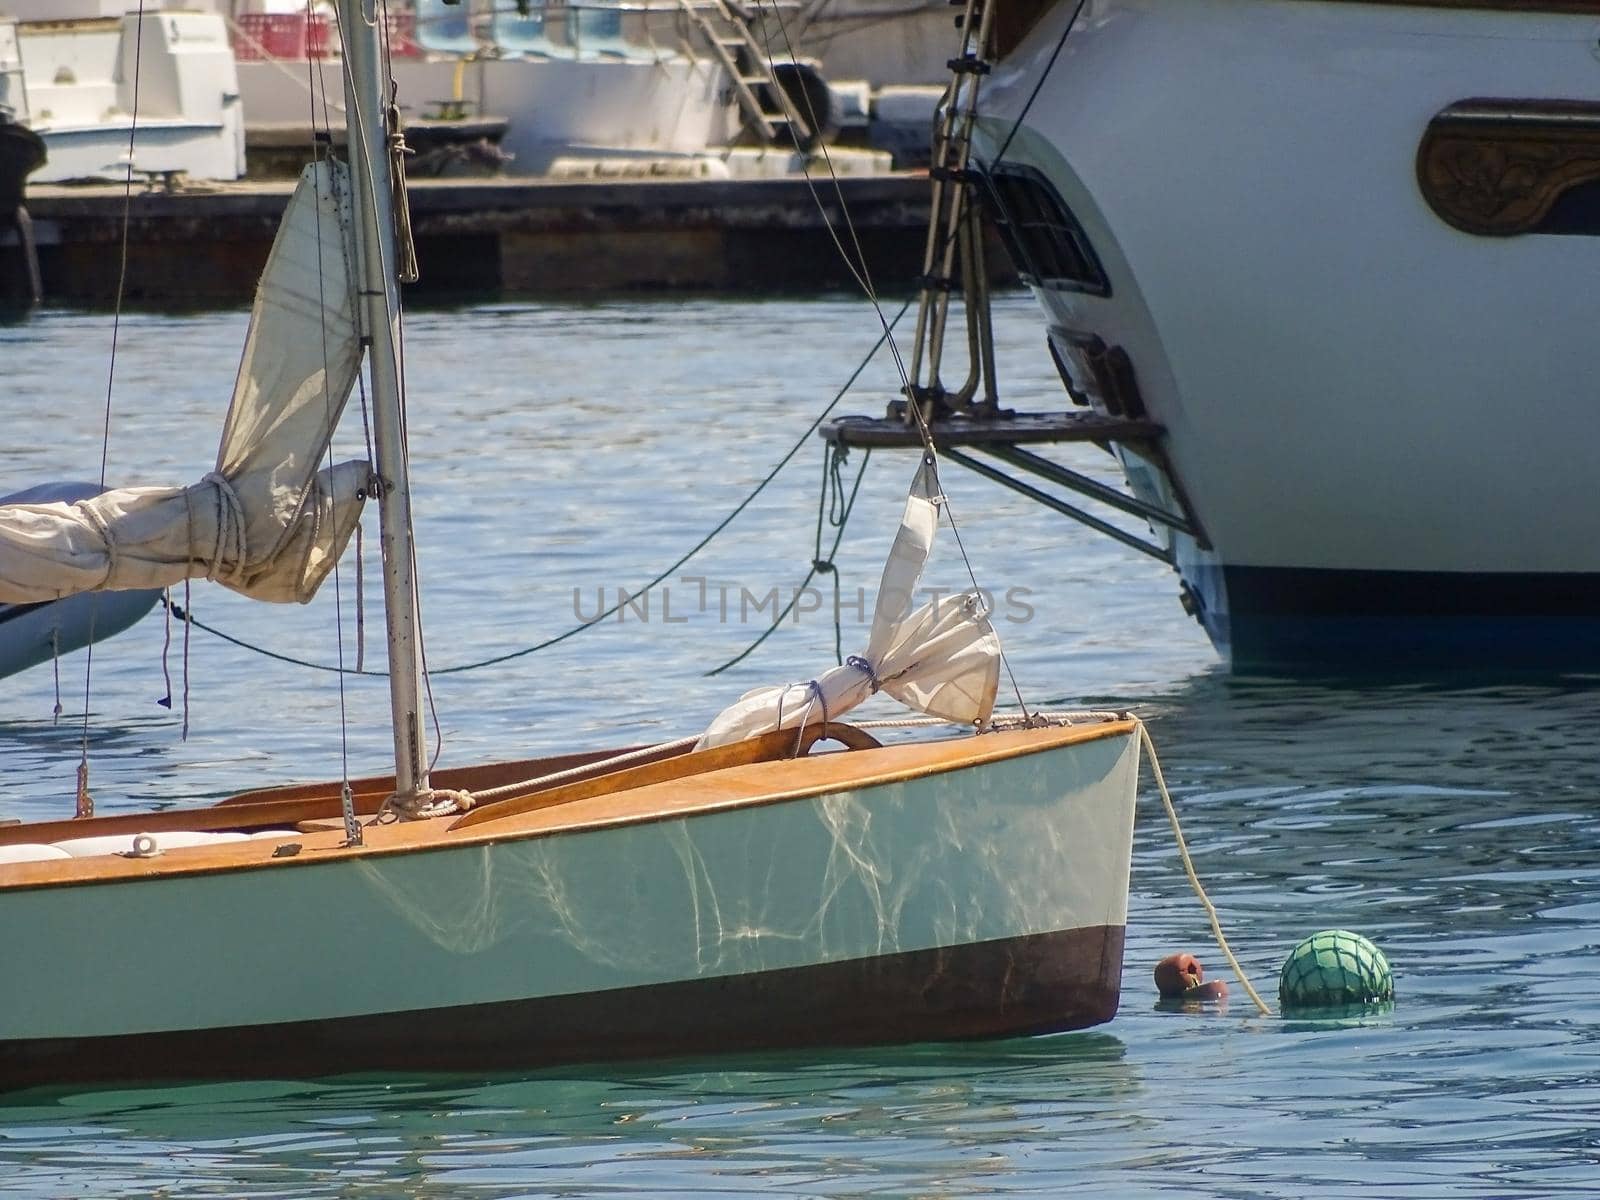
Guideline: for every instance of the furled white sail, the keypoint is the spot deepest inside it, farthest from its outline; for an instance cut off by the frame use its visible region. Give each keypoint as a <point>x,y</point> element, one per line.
<point>942,659</point>
<point>267,521</point>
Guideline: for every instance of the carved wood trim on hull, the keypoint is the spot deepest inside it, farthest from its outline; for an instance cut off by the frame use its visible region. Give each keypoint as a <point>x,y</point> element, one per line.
<point>1499,167</point>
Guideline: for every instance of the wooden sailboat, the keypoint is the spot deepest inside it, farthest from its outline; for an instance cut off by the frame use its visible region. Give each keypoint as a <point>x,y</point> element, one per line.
<point>735,893</point>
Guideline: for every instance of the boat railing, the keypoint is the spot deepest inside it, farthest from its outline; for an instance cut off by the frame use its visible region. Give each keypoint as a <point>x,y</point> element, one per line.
<point>540,29</point>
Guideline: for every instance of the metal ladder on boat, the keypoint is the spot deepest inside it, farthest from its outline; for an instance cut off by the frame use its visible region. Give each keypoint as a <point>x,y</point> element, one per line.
<point>960,423</point>
<point>955,240</point>
<point>769,111</point>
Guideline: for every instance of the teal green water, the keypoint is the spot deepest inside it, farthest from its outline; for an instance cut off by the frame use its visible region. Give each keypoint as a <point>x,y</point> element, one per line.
<point>562,448</point>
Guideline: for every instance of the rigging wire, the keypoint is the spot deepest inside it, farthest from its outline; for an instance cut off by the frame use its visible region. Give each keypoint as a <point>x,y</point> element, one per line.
<point>857,266</point>
<point>705,541</point>
<point>313,78</point>
<point>85,805</point>
<point>819,564</point>
<point>1044,75</point>
<point>886,338</point>
<point>924,432</point>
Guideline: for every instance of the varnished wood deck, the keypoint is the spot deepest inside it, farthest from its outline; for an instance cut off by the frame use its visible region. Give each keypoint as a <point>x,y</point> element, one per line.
<point>744,774</point>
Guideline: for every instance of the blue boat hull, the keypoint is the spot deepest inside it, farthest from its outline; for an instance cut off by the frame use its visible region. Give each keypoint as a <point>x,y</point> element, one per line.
<point>1288,620</point>
<point>31,634</point>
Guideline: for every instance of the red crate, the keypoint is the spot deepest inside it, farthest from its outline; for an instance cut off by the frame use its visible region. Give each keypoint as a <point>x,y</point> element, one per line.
<point>402,31</point>
<point>260,36</point>
<point>319,38</point>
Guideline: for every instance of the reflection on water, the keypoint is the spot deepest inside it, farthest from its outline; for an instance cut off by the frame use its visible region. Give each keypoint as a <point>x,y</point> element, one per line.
<point>561,448</point>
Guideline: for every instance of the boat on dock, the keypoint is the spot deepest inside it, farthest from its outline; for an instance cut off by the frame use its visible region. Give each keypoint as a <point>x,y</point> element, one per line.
<point>67,70</point>
<point>604,89</point>
<point>1335,259</point>
<point>729,890</point>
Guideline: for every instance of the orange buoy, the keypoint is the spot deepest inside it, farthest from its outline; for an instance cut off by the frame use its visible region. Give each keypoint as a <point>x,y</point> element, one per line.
<point>1181,977</point>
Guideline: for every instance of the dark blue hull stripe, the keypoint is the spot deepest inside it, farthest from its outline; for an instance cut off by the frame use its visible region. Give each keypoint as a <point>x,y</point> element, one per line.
<point>1298,618</point>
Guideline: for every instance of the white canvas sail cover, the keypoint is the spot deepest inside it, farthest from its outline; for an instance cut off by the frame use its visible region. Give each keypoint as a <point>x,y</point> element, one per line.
<point>942,659</point>
<point>266,522</point>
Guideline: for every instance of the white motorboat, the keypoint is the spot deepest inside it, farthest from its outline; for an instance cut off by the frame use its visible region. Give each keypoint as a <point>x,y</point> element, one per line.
<point>607,88</point>
<point>67,71</point>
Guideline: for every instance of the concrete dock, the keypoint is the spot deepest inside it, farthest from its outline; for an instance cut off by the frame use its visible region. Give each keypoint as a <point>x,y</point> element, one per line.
<point>206,243</point>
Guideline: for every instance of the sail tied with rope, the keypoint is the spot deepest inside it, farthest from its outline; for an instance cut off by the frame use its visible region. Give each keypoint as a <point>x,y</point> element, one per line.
<point>942,659</point>
<point>268,521</point>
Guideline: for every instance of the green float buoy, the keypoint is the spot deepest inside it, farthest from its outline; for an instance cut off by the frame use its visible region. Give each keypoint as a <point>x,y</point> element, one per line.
<point>1334,968</point>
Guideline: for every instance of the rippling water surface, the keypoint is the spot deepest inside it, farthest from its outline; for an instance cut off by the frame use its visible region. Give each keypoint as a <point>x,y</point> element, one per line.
<point>564,452</point>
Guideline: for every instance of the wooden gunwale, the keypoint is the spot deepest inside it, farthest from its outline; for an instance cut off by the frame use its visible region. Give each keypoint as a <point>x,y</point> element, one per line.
<point>472,778</point>
<point>718,788</point>
<point>294,803</point>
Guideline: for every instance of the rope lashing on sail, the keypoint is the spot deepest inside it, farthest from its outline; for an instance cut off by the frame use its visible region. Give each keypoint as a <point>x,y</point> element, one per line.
<point>941,658</point>
<point>230,551</point>
<point>815,698</point>
<point>862,665</point>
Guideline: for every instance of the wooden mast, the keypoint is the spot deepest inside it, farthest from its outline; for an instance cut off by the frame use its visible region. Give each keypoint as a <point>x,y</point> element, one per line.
<point>366,110</point>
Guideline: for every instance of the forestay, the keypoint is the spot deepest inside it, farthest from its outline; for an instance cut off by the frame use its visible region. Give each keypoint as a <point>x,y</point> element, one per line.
<point>942,659</point>
<point>266,522</point>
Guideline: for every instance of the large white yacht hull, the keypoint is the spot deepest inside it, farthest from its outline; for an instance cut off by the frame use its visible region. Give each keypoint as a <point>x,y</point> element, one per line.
<point>1383,424</point>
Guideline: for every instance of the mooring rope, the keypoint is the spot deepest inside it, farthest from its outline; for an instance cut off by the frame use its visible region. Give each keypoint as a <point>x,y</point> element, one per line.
<point>614,761</point>
<point>1188,868</point>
